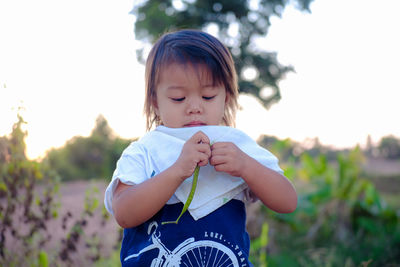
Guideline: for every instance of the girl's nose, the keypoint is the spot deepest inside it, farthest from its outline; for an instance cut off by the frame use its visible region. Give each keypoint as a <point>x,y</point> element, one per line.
<point>194,106</point>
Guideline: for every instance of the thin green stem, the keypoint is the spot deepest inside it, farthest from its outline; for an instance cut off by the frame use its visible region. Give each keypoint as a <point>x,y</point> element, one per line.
<point>190,198</point>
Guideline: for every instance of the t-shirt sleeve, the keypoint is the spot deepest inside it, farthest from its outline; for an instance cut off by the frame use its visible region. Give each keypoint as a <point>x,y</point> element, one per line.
<point>271,161</point>
<point>131,169</point>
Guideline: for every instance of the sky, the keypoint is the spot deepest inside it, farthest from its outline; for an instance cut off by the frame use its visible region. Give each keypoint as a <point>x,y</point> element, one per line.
<point>66,62</point>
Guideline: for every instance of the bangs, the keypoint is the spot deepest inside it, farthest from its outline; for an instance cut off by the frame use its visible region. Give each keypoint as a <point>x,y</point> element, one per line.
<point>205,65</point>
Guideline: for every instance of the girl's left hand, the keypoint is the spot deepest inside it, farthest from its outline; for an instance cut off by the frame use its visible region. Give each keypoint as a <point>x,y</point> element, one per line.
<point>227,157</point>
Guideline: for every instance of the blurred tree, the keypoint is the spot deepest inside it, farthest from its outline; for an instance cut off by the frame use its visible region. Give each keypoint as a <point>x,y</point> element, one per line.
<point>102,130</point>
<point>389,147</point>
<point>238,24</point>
<point>88,157</point>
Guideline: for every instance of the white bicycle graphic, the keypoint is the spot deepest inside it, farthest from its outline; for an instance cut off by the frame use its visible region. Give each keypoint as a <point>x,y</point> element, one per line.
<point>193,253</point>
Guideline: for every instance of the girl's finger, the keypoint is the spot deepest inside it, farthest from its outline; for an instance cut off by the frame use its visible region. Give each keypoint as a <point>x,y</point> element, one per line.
<point>218,152</point>
<point>221,151</point>
<point>205,148</point>
<point>221,167</point>
<point>216,160</point>
<point>200,137</point>
<point>218,145</point>
<point>203,160</point>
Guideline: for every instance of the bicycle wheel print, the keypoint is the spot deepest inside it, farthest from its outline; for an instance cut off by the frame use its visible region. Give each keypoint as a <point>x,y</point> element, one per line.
<point>206,253</point>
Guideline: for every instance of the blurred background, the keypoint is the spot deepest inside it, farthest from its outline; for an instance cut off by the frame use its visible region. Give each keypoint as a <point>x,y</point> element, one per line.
<point>318,82</point>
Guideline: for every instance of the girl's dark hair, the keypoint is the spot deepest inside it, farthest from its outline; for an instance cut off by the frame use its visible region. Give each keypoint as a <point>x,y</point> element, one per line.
<point>199,49</point>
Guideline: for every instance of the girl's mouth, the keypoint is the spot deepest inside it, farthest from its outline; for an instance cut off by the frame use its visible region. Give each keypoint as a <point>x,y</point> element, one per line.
<point>194,124</point>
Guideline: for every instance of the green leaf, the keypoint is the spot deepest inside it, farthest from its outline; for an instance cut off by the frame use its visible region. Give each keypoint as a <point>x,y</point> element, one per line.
<point>43,259</point>
<point>3,187</point>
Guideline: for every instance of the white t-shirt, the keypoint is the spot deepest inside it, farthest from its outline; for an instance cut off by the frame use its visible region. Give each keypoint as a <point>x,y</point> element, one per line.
<point>160,148</point>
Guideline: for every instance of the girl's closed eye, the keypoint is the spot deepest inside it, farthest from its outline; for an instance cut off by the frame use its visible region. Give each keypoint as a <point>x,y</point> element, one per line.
<point>178,99</point>
<point>208,97</point>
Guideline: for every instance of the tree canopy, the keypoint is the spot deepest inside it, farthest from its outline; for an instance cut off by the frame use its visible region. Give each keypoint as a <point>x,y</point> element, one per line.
<point>89,157</point>
<point>238,24</point>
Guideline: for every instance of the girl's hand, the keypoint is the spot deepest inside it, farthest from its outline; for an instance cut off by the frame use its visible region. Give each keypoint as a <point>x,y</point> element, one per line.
<point>227,157</point>
<point>196,151</point>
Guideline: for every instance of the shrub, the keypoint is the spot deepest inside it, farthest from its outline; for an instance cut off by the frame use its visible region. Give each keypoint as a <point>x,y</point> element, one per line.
<point>341,219</point>
<point>28,191</point>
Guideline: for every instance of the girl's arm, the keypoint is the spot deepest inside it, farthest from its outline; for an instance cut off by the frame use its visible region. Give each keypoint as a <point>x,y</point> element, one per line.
<point>273,189</point>
<point>134,204</point>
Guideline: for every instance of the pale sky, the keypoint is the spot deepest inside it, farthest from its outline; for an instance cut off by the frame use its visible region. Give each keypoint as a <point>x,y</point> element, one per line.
<point>69,61</point>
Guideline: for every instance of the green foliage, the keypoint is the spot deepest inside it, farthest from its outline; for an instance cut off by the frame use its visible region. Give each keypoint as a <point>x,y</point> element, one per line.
<point>259,254</point>
<point>77,232</point>
<point>27,206</point>
<point>24,212</point>
<point>112,260</point>
<point>43,259</point>
<point>389,147</point>
<point>88,157</point>
<point>239,24</point>
<point>341,219</point>
<point>290,151</point>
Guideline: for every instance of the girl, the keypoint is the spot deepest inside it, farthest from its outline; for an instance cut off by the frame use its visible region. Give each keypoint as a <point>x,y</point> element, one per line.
<point>191,98</point>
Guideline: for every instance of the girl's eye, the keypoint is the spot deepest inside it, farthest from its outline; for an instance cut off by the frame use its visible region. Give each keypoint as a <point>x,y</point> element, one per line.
<point>180,99</point>
<point>208,97</point>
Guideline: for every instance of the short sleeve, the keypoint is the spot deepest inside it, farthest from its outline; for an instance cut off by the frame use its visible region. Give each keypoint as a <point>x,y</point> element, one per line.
<point>132,168</point>
<point>269,160</point>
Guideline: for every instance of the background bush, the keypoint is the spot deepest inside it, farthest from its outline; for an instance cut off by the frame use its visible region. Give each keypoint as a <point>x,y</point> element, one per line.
<point>29,202</point>
<point>341,219</point>
<point>89,157</point>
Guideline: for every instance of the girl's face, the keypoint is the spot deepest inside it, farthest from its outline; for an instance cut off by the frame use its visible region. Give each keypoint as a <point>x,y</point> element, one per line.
<point>186,97</point>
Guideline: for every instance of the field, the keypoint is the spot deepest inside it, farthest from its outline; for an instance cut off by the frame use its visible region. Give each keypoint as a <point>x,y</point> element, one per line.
<point>385,175</point>
<point>97,238</point>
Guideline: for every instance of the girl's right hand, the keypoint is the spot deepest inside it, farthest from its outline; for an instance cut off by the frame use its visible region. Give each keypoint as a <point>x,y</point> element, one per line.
<point>196,151</point>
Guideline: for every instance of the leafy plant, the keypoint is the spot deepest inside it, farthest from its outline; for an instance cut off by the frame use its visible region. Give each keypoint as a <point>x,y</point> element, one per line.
<point>77,233</point>
<point>340,220</point>
<point>28,203</point>
<point>24,211</point>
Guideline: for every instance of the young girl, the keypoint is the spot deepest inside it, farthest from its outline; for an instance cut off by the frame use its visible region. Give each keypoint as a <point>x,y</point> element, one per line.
<point>191,98</point>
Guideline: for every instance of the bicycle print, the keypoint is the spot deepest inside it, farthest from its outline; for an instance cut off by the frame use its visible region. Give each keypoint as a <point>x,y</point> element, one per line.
<point>192,253</point>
